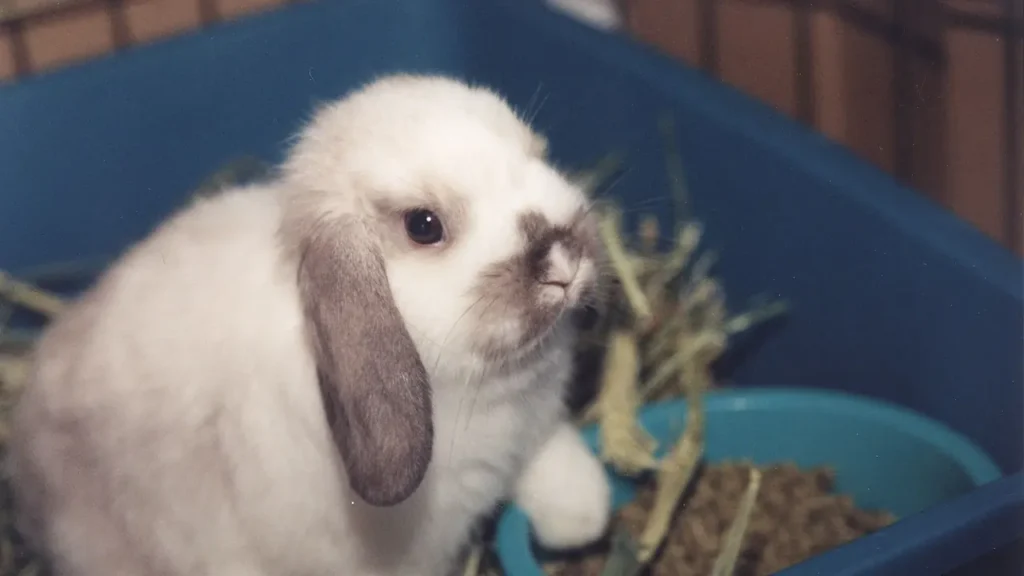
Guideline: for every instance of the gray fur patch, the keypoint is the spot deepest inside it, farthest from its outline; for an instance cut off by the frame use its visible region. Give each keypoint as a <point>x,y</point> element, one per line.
<point>515,284</point>
<point>374,386</point>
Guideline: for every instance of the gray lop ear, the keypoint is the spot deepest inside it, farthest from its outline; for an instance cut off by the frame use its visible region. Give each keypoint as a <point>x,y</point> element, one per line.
<point>374,386</point>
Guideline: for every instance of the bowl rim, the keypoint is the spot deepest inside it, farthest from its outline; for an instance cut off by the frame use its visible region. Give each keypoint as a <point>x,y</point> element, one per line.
<point>512,535</point>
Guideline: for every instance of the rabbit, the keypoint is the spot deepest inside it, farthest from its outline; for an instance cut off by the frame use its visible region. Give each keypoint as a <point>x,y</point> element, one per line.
<point>339,370</point>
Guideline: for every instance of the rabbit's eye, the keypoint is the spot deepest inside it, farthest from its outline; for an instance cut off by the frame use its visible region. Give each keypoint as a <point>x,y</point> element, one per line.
<point>423,227</point>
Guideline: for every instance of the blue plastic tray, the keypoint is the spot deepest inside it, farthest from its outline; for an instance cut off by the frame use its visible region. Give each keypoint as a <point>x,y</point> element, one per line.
<point>884,457</point>
<point>892,297</point>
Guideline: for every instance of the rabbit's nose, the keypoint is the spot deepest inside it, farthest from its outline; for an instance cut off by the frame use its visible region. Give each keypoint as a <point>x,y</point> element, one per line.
<point>563,266</point>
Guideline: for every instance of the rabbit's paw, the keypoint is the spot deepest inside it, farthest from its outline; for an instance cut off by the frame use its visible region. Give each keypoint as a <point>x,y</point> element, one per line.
<point>565,493</point>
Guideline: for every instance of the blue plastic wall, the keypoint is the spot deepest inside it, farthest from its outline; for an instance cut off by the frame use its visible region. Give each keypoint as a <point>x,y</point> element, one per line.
<point>891,296</point>
<point>93,156</point>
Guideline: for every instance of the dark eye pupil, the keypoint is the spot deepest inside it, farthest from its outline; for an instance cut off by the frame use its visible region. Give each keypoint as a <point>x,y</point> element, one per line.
<point>423,227</point>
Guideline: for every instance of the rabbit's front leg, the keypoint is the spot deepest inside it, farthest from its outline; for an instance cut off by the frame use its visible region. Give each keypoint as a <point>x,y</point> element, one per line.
<point>564,492</point>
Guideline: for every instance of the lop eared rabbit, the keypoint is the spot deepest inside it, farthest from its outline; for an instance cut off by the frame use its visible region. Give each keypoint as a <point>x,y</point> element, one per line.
<point>336,373</point>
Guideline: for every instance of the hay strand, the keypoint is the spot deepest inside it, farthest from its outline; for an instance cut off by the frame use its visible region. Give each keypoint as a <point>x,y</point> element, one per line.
<point>28,296</point>
<point>725,564</point>
<point>624,443</point>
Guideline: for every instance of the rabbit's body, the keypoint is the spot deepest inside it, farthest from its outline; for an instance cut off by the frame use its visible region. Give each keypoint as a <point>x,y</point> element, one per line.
<point>173,425</point>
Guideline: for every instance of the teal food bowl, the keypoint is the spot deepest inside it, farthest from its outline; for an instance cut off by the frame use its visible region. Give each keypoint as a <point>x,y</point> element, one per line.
<point>884,456</point>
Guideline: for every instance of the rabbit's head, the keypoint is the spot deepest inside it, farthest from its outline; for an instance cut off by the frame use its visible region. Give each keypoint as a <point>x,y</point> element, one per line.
<point>431,233</point>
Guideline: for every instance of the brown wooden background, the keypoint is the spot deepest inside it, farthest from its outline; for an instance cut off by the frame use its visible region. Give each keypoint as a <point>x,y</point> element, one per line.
<point>930,90</point>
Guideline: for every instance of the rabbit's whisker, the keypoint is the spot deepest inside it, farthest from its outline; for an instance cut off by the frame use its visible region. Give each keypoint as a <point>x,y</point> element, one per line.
<point>472,404</point>
<point>444,342</point>
<point>462,395</point>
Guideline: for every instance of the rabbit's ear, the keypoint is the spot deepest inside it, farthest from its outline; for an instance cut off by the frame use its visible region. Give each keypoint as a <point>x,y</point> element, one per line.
<point>374,386</point>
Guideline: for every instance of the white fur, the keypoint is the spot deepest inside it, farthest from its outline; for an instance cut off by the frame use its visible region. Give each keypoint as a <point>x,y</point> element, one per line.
<point>604,15</point>
<point>173,425</point>
<point>565,492</point>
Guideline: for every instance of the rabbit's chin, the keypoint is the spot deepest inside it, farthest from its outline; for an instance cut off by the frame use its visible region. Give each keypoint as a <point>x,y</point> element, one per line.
<point>513,349</point>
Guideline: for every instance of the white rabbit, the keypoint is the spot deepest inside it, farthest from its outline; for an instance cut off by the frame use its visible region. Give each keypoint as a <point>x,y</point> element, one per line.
<point>338,372</point>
